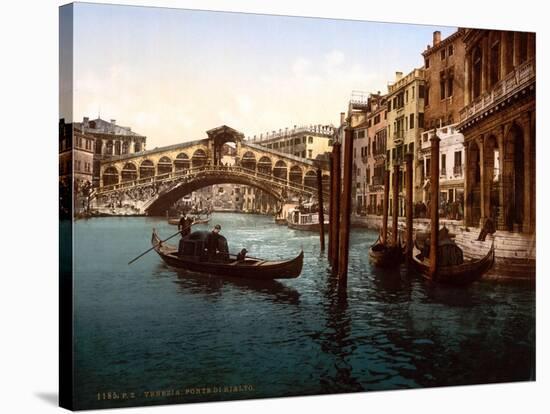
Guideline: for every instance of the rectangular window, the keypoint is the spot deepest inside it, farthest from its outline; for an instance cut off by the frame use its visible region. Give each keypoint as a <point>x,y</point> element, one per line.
<point>443,54</point>
<point>310,140</point>
<point>450,86</point>
<point>376,119</point>
<point>443,163</point>
<point>412,93</point>
<point>310,153</point>
<point>420,120</point>
<point>458,158</point>
<point>427,63</point>
<point>442,85</point>
<point>451,50</point>
<point>421,91</point>
<point>411,121</point>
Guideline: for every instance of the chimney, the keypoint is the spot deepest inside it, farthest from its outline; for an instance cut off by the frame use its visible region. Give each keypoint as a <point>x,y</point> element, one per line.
<point>437,37</point>
<point>113,121</point>
<point>342,118</point>
<point>398,76</point>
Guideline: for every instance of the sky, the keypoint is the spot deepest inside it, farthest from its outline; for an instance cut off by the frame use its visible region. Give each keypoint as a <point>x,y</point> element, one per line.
<point>173,74</point>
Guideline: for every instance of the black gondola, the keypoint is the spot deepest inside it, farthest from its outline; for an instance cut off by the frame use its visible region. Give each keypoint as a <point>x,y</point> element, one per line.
<point>452,268</point>
<point>384,255</point>
<point>192,256</point>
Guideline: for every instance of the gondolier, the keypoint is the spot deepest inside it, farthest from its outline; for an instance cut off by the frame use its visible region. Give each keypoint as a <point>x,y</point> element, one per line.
<point>184,225</point>
<point>212,242</point>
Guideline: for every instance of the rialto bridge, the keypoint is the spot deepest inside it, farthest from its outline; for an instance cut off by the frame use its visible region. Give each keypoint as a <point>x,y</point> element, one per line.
<point>153,180</point>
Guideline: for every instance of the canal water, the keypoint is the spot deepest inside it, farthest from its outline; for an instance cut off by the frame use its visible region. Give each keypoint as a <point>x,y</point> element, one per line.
<point>147,327</point>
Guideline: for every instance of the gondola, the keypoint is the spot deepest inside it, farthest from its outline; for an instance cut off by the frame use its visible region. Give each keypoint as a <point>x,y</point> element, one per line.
<point>383,255</point>
<point>193,258</point>
<point>454,274</point>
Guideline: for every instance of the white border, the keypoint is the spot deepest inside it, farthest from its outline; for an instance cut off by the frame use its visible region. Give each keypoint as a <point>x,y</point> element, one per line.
<point>29,206</point>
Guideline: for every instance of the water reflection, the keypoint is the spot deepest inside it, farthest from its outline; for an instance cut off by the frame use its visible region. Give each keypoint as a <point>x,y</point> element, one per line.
<point>212,287</point>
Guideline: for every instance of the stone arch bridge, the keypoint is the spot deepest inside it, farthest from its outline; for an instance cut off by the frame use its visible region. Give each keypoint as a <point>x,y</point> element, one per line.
<point>151,181</point>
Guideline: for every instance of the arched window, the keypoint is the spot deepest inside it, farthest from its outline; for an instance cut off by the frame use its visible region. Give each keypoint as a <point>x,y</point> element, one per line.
<point>264,165</point>
<point>125,147</point>
<point>248,160</point>
<point>295,175</point>
<point>199,158</point>
<point>280,169</point>
<point>129,172</point>
<point>310,180</point>
<point>110,176</point>
<point>146,169</point>
<point>164,165</point>
<point>182,162</point>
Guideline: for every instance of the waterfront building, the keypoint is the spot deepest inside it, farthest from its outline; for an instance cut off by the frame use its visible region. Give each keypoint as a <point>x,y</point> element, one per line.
<point>367,114</point>
<point>110,140</point>
<point>305,141</point>
<point>443,100</point>
<point>405,124</point>
<point>376,154</point>
<point>498,123</point>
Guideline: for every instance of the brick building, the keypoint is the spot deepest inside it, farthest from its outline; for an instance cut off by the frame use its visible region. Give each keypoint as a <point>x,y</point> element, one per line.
<point>444,98</point>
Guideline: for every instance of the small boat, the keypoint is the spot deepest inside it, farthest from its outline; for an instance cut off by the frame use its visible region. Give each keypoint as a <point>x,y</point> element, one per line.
<point>453,269</point>
<point>193,258</point>
<point>384,255</point>
<point>305,217</point>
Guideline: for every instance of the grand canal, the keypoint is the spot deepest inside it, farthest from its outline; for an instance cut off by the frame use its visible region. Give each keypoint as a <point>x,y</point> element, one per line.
<point>147,327</point>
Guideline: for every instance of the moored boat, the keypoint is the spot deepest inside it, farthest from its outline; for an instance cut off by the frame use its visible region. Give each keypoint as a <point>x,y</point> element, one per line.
<point>191,256</point>
<point>305,217</point>
<point>384,255</point>
<point>452,268</point>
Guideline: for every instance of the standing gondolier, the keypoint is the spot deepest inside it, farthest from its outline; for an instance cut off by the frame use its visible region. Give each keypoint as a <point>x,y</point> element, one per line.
<point>184,225</point>
<point>211,244</point>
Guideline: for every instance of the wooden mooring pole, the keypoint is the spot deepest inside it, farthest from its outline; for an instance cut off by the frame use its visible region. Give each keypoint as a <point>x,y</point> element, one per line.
<point>330,209</point>
<point>434,205</point>
<point>409,204</point>
<point>385,206</point>
<point>335,200</point>
<point>395,205</point>
<point>346,210</point>
<point>321,212</point>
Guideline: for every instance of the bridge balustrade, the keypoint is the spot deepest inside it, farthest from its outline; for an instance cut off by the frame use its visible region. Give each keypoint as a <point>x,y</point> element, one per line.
<point>246,172</point>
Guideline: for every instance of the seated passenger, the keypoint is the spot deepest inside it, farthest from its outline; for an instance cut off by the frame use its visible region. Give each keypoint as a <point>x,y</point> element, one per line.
<point>242,255</point>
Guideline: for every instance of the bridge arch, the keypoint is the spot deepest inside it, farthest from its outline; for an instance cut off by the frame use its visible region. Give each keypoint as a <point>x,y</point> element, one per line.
<point>280,170</point>
<point>164,165</point>
<point>168,198</point>
<point>182,162</point>
<point>199,158</point>
<point>110,176</point>
<point>146,169</point>
<point>248,160</point>
<point>265,165</point>
<point>129,172</point>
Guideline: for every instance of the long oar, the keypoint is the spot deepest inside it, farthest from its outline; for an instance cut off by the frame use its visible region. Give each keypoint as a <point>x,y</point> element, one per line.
<point>162,241</point>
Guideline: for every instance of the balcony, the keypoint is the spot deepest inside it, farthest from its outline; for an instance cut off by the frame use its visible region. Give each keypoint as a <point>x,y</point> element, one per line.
<point>398,137</point>
<point>519,78</point>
